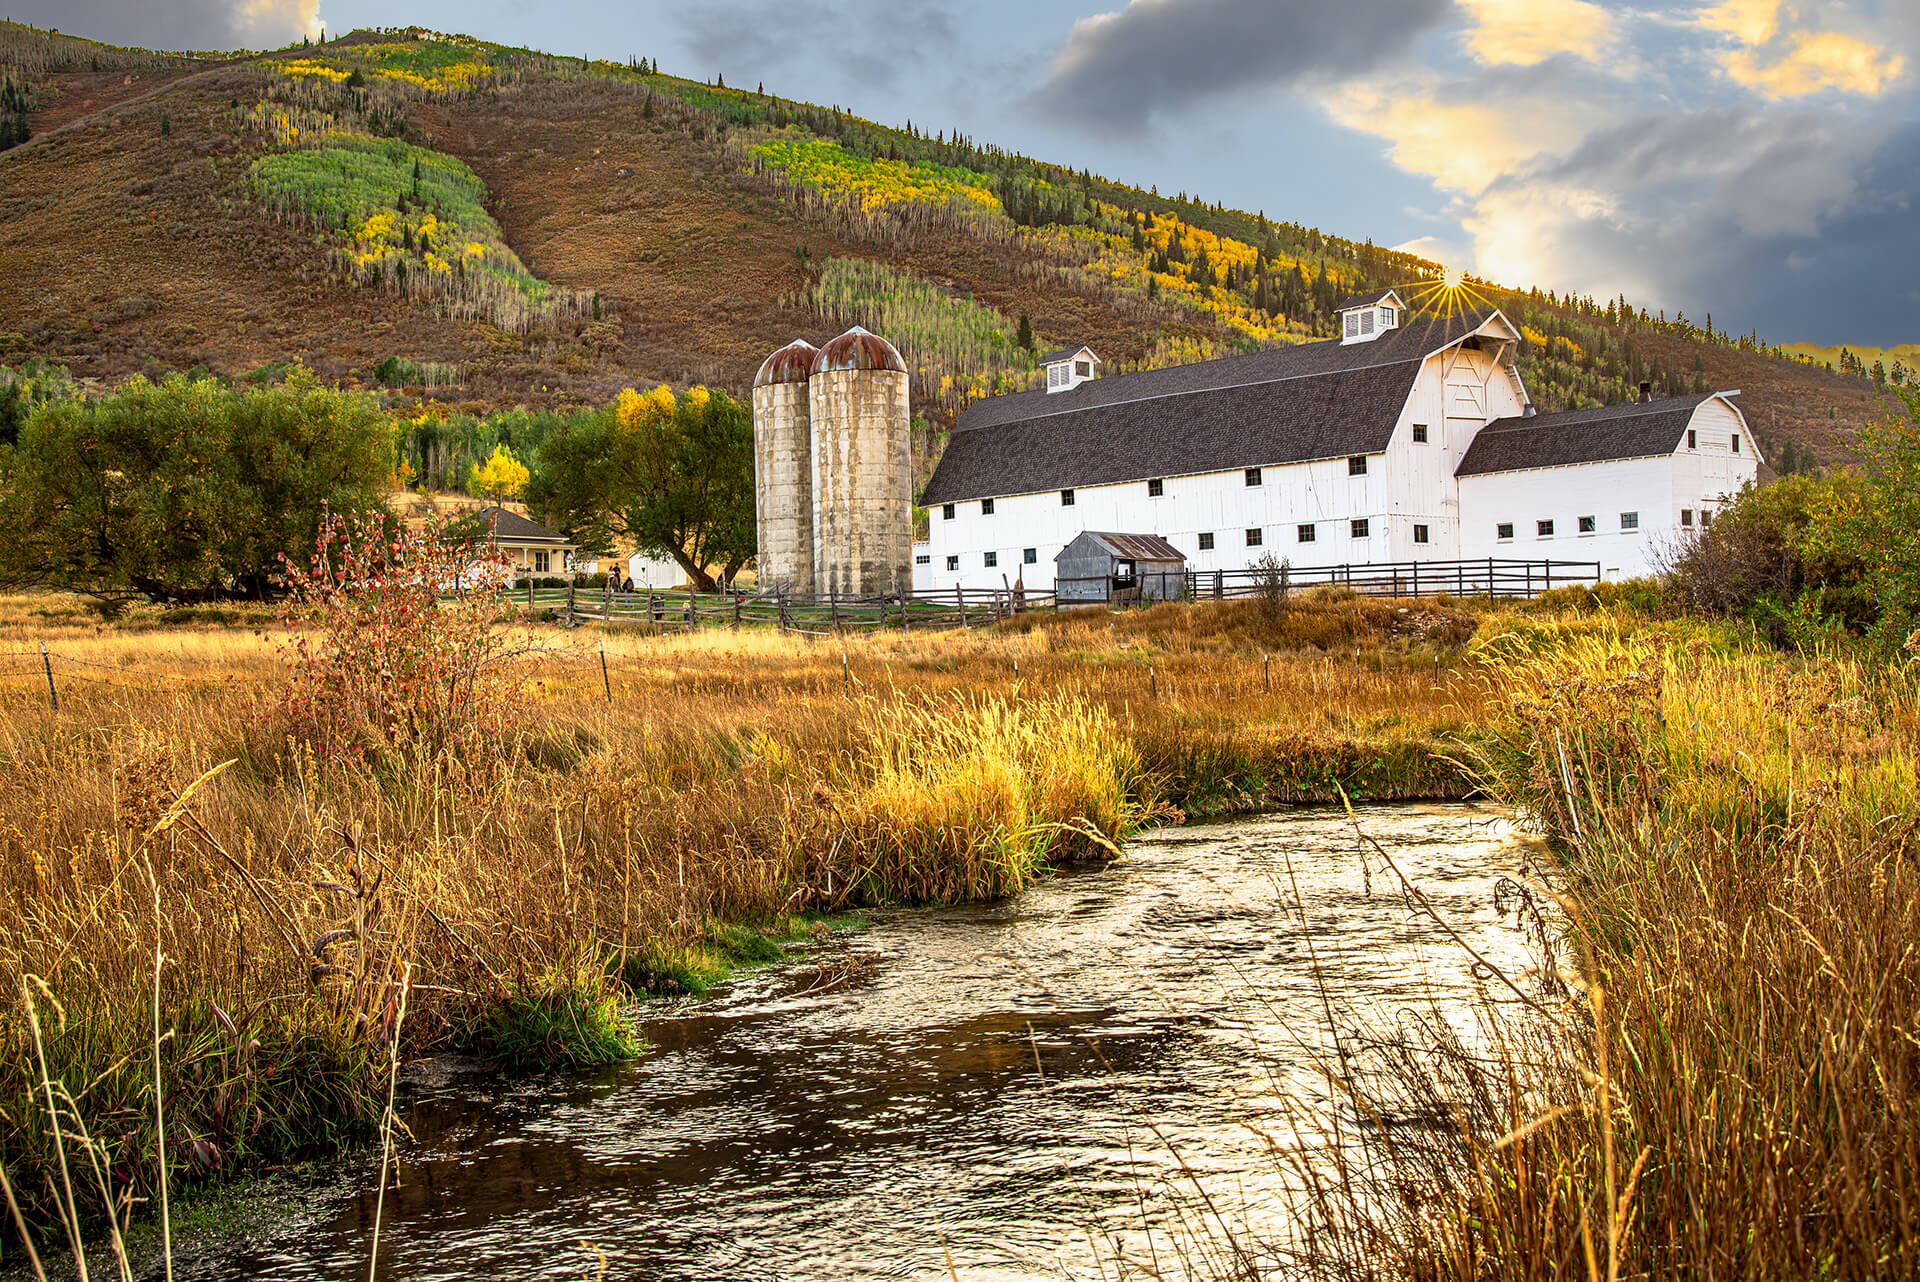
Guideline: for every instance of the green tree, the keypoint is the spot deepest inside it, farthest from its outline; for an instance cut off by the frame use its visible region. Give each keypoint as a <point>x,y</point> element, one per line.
<point>1878,521</point>
<point>1025,336</point>
<point>672,475</point>
<point>184,490</point>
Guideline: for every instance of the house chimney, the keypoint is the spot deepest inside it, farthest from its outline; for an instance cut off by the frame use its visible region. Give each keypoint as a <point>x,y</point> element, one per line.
<point>1646,391</point>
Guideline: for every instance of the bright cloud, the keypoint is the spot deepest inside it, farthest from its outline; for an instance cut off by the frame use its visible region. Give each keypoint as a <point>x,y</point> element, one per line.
<point>1525,32</point>
<point>1792,48</point>
<point>1816,61</point>
<point>1463,142</point>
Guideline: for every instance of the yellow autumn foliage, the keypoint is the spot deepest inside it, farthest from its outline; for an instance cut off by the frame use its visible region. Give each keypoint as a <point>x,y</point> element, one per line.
<point>501,476</point>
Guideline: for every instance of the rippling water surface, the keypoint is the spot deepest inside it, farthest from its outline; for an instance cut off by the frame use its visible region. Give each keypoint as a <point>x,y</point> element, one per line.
<point>1011,1089</point>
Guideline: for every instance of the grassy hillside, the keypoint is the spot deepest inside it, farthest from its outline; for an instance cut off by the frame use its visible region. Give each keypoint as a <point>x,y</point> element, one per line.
<point>499,227</point>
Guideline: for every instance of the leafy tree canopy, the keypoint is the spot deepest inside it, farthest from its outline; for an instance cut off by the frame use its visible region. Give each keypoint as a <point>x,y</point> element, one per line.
<point>502,476</point>
<point>184,490</point>
<point>671,475</point>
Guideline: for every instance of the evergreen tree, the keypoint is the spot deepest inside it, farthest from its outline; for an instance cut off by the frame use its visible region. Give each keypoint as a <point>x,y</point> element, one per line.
<point>1025,336</point>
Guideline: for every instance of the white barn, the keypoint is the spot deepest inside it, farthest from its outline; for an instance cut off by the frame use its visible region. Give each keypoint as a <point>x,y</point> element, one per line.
<point>1407,439</point>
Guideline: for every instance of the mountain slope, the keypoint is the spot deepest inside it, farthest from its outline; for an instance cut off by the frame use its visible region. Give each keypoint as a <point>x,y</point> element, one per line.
<point>694,228</point>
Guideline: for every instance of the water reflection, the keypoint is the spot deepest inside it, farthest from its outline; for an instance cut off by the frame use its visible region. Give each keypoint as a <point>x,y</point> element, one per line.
<point>1009,1091</point>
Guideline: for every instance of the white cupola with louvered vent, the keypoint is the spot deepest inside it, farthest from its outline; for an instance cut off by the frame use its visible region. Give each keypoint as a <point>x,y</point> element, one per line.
<point>1365,317</point>
<point>1068,367</point>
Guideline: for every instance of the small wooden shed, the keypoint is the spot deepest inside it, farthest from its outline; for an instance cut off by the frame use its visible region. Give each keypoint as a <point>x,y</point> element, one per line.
<point>1099,568</point>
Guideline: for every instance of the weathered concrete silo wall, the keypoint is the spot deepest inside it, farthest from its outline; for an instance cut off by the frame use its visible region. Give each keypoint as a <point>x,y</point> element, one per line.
<point>862,468</point>
<point>783,469</point>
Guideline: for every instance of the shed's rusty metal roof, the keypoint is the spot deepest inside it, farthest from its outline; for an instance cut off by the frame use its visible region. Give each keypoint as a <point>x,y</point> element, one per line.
<point>858,349</point>
<point>791,364</point>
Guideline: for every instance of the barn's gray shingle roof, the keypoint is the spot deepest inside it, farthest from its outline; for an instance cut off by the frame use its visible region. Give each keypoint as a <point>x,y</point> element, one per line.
<point>1286,405</point>
<point>1636,429</point>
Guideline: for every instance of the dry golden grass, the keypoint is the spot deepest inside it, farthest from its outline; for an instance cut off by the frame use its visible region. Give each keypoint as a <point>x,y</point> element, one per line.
<point>1733,1088</point>
<point>732,777</point>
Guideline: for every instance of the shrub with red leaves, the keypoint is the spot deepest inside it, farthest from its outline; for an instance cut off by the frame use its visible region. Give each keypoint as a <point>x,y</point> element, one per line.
<point>401,647</point>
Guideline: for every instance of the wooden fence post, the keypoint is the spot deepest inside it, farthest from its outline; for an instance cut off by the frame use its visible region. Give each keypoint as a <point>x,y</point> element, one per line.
<point>53,696</point>
<point>960,595</point>
<point>833,609</point>
<point>1153,682</point>
<point>736,609</point>
<point>846,676</point>
<point>782,599</point>
<point>1266,673</point>
<point>605,682</point>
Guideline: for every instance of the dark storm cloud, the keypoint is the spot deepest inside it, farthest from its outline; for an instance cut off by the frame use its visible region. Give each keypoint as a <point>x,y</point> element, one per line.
<point>1118,70</point>
<point>869,43</point>
<point>1799,224</point>
<point>170,24</point>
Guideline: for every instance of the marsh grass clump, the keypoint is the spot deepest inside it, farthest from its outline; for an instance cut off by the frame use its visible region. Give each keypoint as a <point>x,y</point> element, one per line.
<point>568,1018</point>
<point>1734,1089</point>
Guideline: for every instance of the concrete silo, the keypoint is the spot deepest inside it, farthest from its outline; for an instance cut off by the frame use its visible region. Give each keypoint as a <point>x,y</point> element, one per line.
<point>862,470</point>
<point>783,469</point>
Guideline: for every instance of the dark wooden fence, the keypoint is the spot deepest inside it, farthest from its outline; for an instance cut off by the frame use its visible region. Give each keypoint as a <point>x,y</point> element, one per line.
<point>1489,577</point>
<point>975,607</point>
<point>815,615</point>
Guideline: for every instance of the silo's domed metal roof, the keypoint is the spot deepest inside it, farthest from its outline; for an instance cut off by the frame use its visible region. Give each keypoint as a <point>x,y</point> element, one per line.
<point>858,349</point>
<point>791,364</point>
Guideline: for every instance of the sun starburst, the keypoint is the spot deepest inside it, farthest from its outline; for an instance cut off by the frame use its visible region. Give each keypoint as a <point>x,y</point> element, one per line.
<point>1448,294</point>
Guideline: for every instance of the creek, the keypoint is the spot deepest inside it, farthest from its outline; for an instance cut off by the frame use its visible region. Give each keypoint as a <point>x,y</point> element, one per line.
<point>1120,1060</point>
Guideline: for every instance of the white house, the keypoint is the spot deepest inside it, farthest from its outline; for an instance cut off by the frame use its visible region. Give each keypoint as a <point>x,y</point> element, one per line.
<point>1406,439</point>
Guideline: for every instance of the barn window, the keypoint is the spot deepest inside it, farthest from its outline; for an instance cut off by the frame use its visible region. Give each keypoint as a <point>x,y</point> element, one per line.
<point>1736,442</point>
<point>1031,556</point>
<point>1693,439</point>
<point>1686,516</point>
<point>1543,528</point>
<point>946,511</point>
<point>953,563</point>
<point>1366,322</point>
<point>1706,517</point>
<point>1420,534</point>
<point>1254,537</point>
<point>1083,369</point>
<point>1353,325</point>
<point>1253,476</point>
<point>1066,498</point>
<point>1155,488</point>
<point>1359,528</point>
<point>986,507</point>
<point>1420,433</point>
<point>1388,318</point>
<point>1504,530</point>
<point>1056,376</point>
<point>540,562</point>
<point>1306,533</point>
<point>1588,525</point>
<point>992,559</point>
<point>923,558</point>
<point>1206,541</point>
<point>1357,465</point>
<point>1629,520</point>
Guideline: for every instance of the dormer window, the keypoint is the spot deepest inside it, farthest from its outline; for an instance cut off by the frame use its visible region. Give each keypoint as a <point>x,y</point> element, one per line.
<point>1069,367</point>
<point>1365,317</point>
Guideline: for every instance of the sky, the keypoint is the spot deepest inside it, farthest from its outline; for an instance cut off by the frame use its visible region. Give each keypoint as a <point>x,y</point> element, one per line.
<point>1758,160</point>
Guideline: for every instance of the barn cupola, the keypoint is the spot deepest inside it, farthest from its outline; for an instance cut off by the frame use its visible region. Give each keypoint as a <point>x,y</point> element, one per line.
<point>1068,367</point>
<point>1364,317</point>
